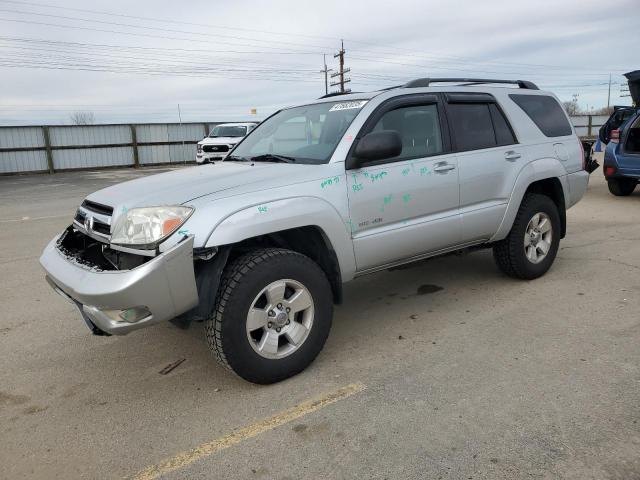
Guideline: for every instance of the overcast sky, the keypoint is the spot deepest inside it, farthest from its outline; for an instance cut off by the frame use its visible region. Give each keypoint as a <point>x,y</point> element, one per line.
<point>135,61</point>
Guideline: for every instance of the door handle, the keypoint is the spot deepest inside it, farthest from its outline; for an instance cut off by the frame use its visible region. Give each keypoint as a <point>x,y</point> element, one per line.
<point>443,167</point>
<point>512,155</point>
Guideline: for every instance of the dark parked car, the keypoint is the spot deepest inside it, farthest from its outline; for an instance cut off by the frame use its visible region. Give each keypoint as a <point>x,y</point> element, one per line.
<point>622,155</point>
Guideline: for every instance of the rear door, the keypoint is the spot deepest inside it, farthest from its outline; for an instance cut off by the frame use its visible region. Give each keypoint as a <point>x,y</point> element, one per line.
<point>489,158</point>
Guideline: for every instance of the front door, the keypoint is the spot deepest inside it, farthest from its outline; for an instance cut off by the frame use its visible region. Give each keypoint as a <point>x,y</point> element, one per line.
<point>406,206</point>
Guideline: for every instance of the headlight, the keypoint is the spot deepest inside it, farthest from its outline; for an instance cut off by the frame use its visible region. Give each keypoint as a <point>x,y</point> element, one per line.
<point>146,227</point>
<point>199,147</point>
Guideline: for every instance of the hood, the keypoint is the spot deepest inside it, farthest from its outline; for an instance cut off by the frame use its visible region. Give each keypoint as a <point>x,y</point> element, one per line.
<point>633,78</point>
<point>221,179</point>
<point>219,140</point>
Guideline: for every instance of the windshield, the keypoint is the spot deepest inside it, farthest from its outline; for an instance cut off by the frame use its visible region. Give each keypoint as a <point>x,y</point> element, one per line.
<point>228,131</point>
<point>306,134</point>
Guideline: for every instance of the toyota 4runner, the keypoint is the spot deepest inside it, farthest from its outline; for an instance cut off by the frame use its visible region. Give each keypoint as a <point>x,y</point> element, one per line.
<point>259,245</point>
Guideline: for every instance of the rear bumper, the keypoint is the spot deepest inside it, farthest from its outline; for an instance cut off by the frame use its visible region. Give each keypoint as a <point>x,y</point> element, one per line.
<point>165,285</point>
<point>626,165</point>
<point>578,182</point>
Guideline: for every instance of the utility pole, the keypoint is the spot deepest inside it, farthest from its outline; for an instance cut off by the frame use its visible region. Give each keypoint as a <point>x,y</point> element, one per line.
<point>326,79</point>
<point>609,94</point>
<point>342,71</point>
<point>181,133</point>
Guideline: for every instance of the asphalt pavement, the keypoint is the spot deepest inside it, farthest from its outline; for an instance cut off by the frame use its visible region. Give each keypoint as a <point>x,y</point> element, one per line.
<point>442,369</point>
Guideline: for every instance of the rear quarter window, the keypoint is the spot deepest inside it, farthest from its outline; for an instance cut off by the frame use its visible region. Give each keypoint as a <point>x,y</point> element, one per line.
<point>545,112</point>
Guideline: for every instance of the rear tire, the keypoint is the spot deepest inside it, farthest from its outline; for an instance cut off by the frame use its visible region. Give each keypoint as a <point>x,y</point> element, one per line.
<point>272,315</point>
<point>532,244</point>
<point>621,187</point>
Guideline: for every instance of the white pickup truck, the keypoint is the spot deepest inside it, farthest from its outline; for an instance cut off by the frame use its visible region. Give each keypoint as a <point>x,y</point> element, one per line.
<point>221,141</point>
<point>258,246</point>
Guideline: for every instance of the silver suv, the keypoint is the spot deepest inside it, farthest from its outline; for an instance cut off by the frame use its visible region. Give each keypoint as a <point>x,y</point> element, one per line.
<point>259,245</point>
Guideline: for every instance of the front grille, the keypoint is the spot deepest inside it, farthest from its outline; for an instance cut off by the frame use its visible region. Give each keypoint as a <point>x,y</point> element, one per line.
<point>98,208</point>
<point>215,148</point>
<point>95,219</point>
<point>101,228</point>
<point>79,217</point>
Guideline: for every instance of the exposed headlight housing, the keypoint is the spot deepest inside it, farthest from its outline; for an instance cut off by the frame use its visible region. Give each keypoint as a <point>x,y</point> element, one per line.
<point>148,226</point>
<point>199,147</point>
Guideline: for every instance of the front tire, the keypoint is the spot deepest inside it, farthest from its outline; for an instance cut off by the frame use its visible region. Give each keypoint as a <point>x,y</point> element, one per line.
<point>532,244</point>
<point>621,187</point>
<point>272,315</point>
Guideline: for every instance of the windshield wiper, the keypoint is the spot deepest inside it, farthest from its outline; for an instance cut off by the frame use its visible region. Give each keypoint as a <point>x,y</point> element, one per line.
<point>235,158</point>
<point>271,157</point>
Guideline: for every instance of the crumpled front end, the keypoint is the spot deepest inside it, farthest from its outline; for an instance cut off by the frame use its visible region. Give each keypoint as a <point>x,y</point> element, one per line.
<point>117,292</point>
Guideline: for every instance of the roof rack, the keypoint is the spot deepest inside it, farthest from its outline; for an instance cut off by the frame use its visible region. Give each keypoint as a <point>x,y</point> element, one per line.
<point>335,94</point>
<point>425,82</point>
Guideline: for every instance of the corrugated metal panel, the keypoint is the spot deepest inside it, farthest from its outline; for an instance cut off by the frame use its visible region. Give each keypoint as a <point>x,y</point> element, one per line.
<point>149,155</point>
<point>93,157</point>
<point>153,154</point>
<point>596,120</point>
<point>21,137</point>
<point>152,133</point>
<point>81,135</point>
<point>581,124</point>
<point>90,135</point>
<point>185,131</point>
<point>182,153</point>
<point>16,162</point>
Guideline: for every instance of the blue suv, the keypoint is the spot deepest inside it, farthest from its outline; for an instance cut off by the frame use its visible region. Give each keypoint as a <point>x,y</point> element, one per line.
<point>622,132</point>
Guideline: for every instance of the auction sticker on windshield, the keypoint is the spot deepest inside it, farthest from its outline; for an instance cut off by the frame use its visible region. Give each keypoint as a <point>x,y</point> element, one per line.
<point>348,105</point>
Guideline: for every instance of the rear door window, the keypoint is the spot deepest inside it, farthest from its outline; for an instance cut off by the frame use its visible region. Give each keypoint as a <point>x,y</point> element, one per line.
<point>472,126</point>
<point>504,134</point>
<point>545,112</point>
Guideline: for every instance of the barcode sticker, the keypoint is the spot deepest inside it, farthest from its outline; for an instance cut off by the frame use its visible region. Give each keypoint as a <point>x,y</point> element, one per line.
<point>348,105</point>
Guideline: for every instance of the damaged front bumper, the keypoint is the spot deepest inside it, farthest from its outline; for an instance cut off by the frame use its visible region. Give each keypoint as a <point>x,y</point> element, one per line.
<point>119,301</point>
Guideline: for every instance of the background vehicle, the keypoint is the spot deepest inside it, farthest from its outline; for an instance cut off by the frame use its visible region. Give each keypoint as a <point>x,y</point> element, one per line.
<point>622,155</point>
<point>319,194</point>
<point>619,116</point>
<point>221,140</point>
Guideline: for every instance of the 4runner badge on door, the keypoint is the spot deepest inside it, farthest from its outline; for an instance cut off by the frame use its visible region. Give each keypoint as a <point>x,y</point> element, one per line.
<point>348,105</point>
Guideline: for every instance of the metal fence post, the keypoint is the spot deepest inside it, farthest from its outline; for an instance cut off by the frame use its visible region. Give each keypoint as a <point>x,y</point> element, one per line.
<point>47,146</point>
<point>590,125</point>
<point>206,129</point>
<point>134,142</point>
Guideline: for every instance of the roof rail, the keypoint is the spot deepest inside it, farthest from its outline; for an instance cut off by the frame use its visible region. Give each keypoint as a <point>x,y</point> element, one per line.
<point>335,94</point>
<point>425,82</point>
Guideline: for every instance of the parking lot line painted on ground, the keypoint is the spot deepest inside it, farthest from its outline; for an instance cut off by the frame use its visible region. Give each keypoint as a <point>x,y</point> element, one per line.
<point>26,219</point>
<point>184,459</point>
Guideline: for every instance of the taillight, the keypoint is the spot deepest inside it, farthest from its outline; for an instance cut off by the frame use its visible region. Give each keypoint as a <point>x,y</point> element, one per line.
<point>615,136</point>
<point>609,170</point>
<point>584,157</point>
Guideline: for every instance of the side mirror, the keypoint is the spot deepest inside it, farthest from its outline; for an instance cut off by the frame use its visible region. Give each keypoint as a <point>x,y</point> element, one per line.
<point>377,146</point>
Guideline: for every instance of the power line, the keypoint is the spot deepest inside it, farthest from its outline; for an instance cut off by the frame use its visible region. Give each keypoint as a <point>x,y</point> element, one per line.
<point>145,27</point>
<point>138,34</point>
<point>412,53</point>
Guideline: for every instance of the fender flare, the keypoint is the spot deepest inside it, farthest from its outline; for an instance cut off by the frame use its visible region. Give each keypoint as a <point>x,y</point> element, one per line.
<point>285,214</point>
<point>534,171</point>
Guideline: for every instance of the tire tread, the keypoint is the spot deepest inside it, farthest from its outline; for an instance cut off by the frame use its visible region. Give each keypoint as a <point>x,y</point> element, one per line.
<point>506,252</point>
<point>233,275</point>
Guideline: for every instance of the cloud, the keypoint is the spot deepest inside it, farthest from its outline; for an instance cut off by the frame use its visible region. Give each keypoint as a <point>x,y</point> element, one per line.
<point>129,67</point>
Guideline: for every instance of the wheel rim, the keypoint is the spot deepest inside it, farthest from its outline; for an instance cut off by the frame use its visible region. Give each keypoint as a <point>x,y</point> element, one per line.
<point>280,319</point>
<point>537,237</point>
